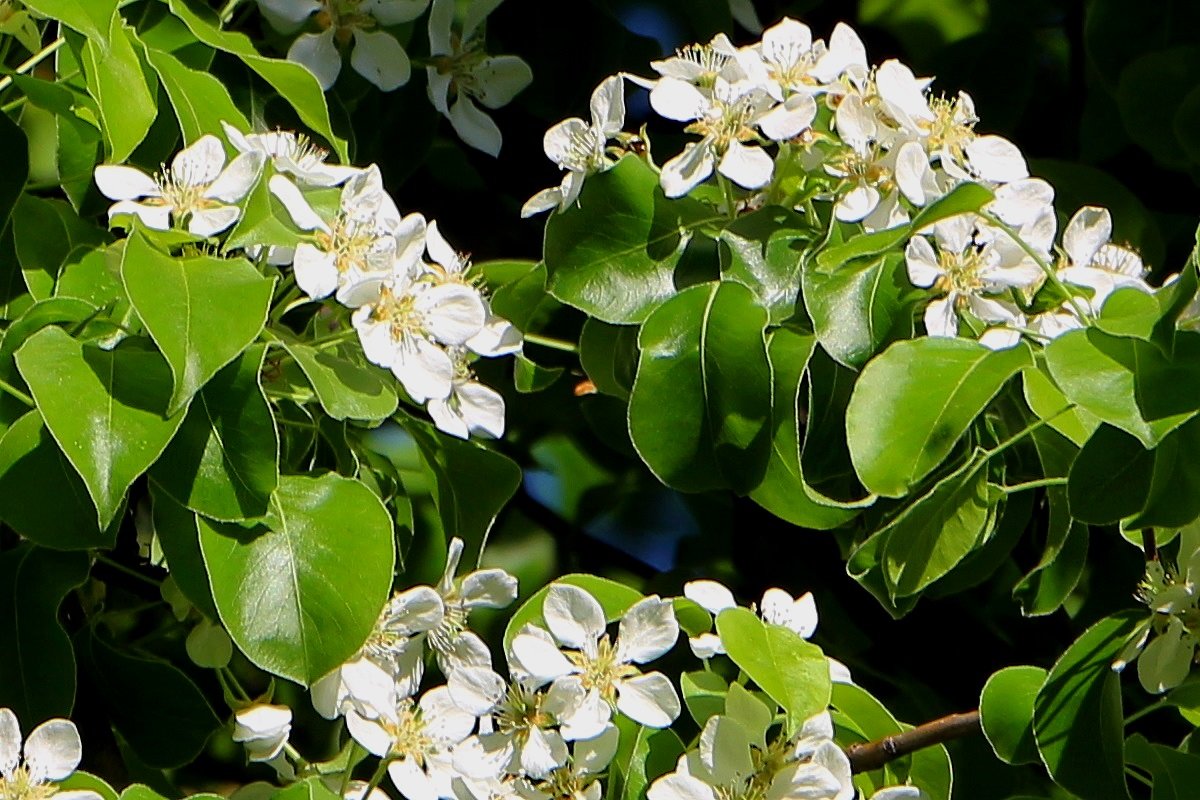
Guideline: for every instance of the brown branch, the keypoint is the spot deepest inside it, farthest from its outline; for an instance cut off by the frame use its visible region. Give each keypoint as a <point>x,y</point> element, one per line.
<point>1149,544</point>
<point>867,756</point>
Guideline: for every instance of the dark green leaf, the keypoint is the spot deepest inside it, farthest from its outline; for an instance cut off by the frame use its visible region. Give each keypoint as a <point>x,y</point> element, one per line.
<point>1176,775</point>
<point>49,235</point>
<point>700,410</point>
<point>37,666</point>
<point>223,462</point>
<point>16,167</point>
<point>90,17</point>
<point>201,102</point>
<point>346,390</point>
<point>857,308</point>
<point>764,254</point>
<point>1077,714</point>
<point>1111,477</point>
<point>179,538</point>
<point>41,496</point>
<point>155,707</point>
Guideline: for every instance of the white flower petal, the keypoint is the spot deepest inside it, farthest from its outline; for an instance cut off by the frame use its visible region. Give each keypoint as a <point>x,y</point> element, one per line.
<point>475,690</point>
<point>857,203</point>
<point>474,126</point>
<point>454,312</point>
<point>803,782</point>
<point>488,588</point>
<point>199,163</point>
<point>316,272</point>
<point>10,741</point>
<point>211,221</point>
<point>589,718</point>
<point>706,645</point>
<point>608,105</point>
<point>676,786</point>
<point>445,722</point>
<point>543,751</point>
<point>1088,231</point>
<point>155,217</point>
<point>319,54</point>
<point>995,158</point>
<point>236,180</point>
<point>940,319</point>
<point>379,58</point>
<point>423,368</point>
<point>922,262</point>
<point>287,15</point>
<point>846,53</point>
<point>790,118</point>
<point>678,100</point>
<point>541,659</point>
<point>544,200</point>
<point>119,182</point>
<point>687,170</point>
<point>573,616</point>
<point>594,754</point>
<point>53,750</point>
<point>412,781</point>
<point>748,166</point>
<point>649,699</point>
<point>712,596</point>
<point>297,207</point>
<point>498,79</point>
<point>833,758</point>
<point>647,631</point>
<point>395,12</point>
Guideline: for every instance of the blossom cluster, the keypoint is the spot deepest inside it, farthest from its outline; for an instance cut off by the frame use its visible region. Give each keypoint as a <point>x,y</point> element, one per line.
<point>416,307</point>
<point>876,145</point>
<point>461,76</point>
<point>33,769</point>
<point>546,729</point>
<point>1172,593</point>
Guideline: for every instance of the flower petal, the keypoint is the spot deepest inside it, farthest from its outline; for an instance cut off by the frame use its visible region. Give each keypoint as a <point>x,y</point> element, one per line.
<point>119,182</point>
<point>678,100</point>
<point>454,312</point>
<point>199,163</point>
<point>423,368</point>
<point>211,221</point>
<point>475,127</point>
<point>608,105</point>
<point>319,54</point>
<point>541,659</point>
<point>995,158</point>
<point>53,750</point>
<point>712,596</point>
<point>594,754</point>
<point>236,180</point>
<point>489,588</point>
<point>10,741</point>
<point>155,217</point>
<point>298,208</point>
<point>379,58</point>
<point>475,690</point>
<point>790,118</point>
<point>687,170</point>
<point>922,262</point>
<point>676,786</point>
<point>395,12</point>
<point>498,79</point>
<point>648,630</point>
<point>573,616</point>
<point>445,721</point>
<point>1088,231</point>
<point>648,699</point>
<point>412,781</point>
<point>940,319</point>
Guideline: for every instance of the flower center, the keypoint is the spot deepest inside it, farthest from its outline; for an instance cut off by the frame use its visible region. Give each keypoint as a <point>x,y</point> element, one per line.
<point>707,58</point>
<point>409,739</point>
<point>961,276</point>
<point>767,764</point>
<point>454,622</point>
<point>20,785</point>
<point>952,128</point>
<point>520,712</point>
<point>726,122</point>
<point>566,784</point>
<point>353,243</point>
<point>182,191</point>
<point>602,672</point>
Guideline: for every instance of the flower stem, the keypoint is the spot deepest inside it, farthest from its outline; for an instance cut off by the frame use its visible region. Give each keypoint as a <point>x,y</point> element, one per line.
<point>133,573</point>
<point>727,191</point>
<point>346,776</point>
<point>1028,429</point>
<point>553,344</point>
<point>376,779</point>
<point>1141,712</point>
<point>17,393</point>
<point>1021,487</point>
<point>31,62</point>
<point>226,13</point>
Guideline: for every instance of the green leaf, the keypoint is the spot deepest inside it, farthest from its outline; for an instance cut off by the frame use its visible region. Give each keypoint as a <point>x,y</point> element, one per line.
<point>202,312</point>
<point>763,252</point>
<point>49,235</point>
<point>300,591</point>
<point>1046,587</point>
<point>703,694</point>
<point>613,255</point>
<point>16,167</point>
<point>140,791</point>
<point>294,82</point>
<point>471,484</point>
<point>119,84</point>
<point>857,308</point>
<point>608,354</point>
<point>783,490</point>
<point>1175,774</point>
<point>179,538</point>
<point>913,403</point>
<point>1077,714</point>
<point>103,407</point>
<point>1047,401</point>
<point>1111,477</point>
<point>1126,382</point>
<point>37,666</point>
<point>965,198</point>
<point>824,452</point>
<point>529,377</point>
<point>655,752</point>
<point>155,707</point>
<point>1173,499</point>
<point>85,780</point>
<point>41,496</point>
<point>793,672</point>
<point>1006,712</point>
<point>938,530</point>
<point>346,390</point>
<point>522,299</point>
<point>700,410</point>
<point>309,789</point>
<point>201,102</point>
<point>613,597</point>
<point>92,18</point>
<point>224,461</point>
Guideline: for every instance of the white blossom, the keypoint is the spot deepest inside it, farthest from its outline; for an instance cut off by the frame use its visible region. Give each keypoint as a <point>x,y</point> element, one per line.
<point>375,54</point>
<point>365,243</point>
<point>578,779</point>
<point>263,729</point>
<point>591,675</point>
<point>461,74</point>
<point>293,154</point>
<point>198,189</point>
<point>49,755</point>
<point>580,149</point>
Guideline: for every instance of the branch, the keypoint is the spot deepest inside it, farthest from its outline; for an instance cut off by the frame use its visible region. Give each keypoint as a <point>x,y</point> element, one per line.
<point>867,756</point>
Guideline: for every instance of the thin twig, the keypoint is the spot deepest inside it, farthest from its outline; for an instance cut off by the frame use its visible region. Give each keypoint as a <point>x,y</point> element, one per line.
<point>1149,544</point>
<point>867,756</point>
<point>31,62</point>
